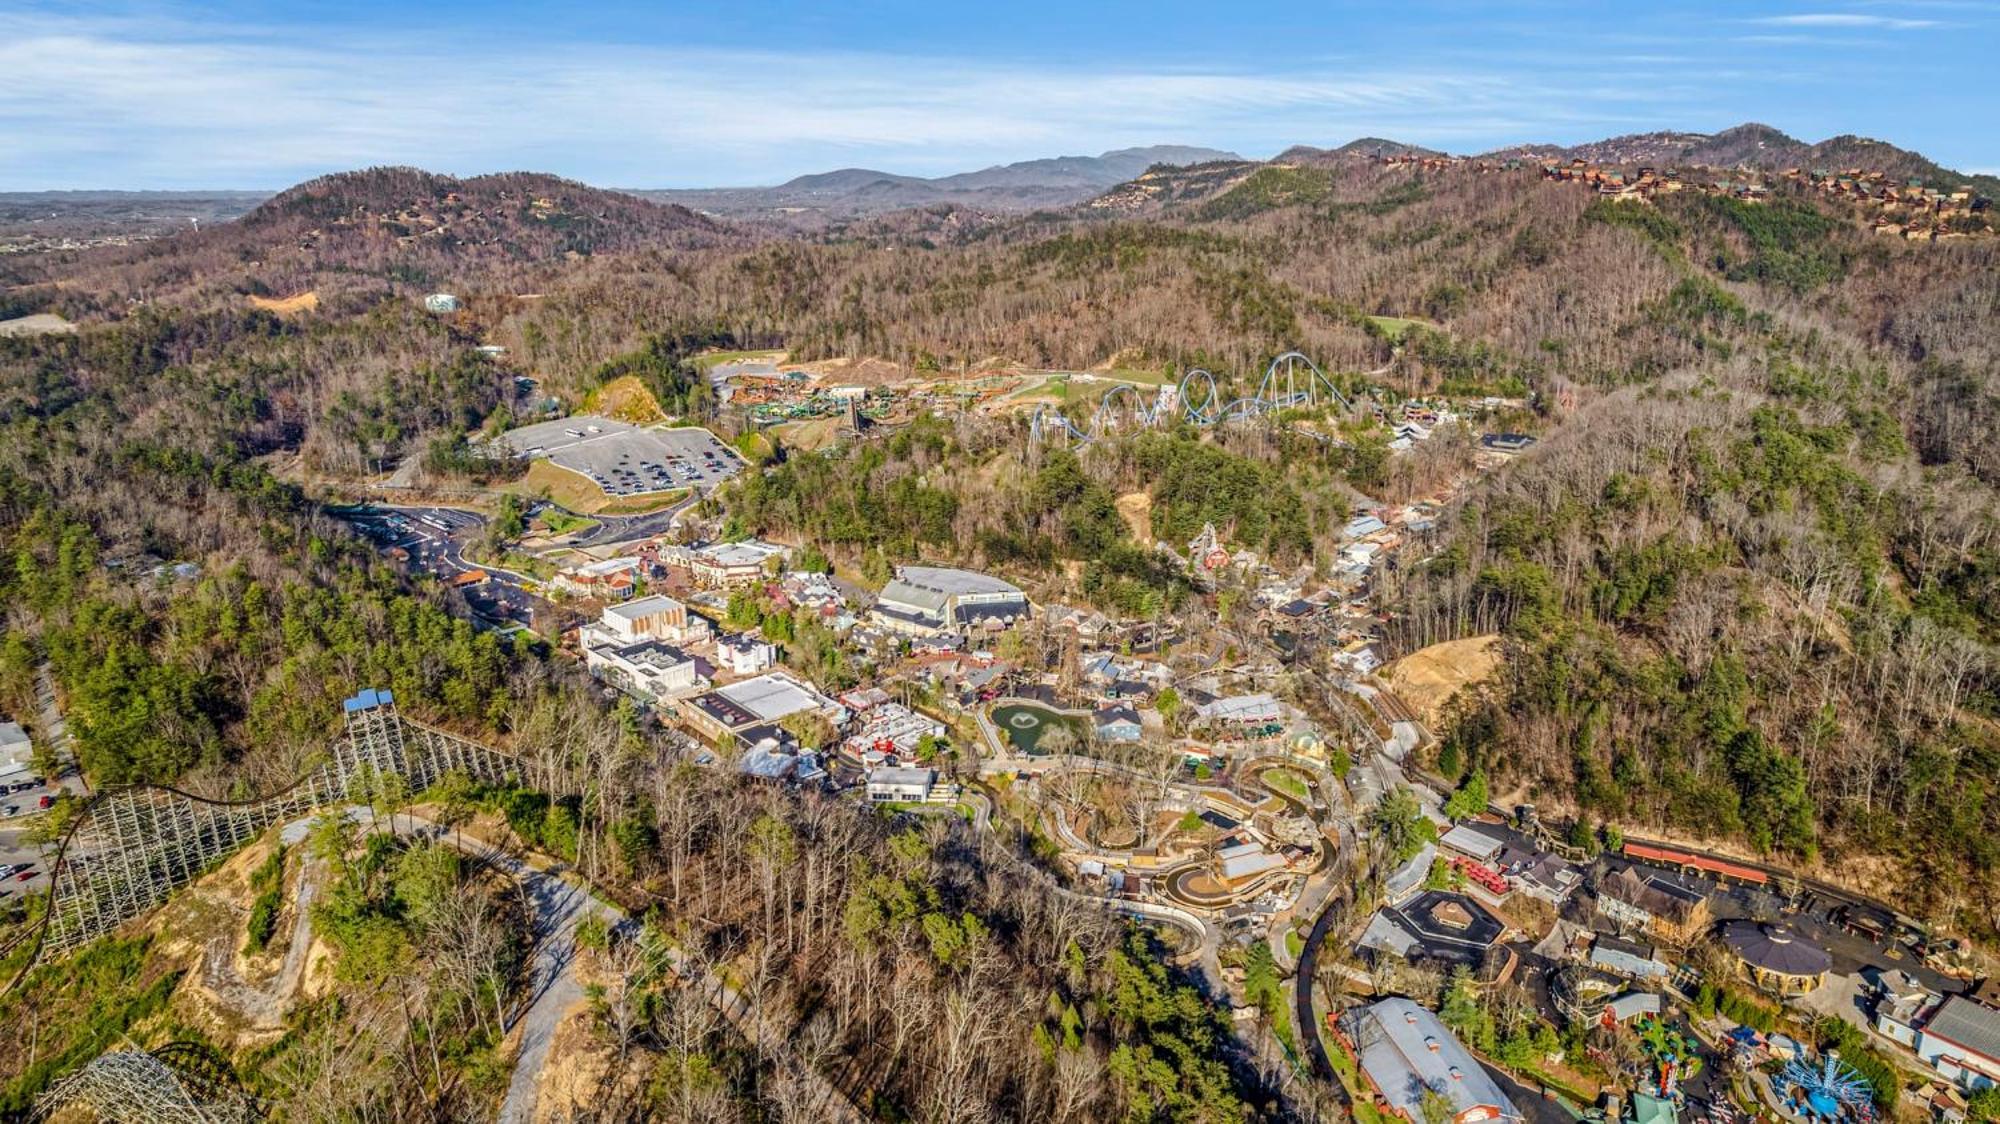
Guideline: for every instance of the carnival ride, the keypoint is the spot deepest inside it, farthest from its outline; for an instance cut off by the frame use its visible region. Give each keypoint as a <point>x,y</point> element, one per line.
<point>1673,1054</point>
<point>1828,1090</point>
<point>1291,382</point>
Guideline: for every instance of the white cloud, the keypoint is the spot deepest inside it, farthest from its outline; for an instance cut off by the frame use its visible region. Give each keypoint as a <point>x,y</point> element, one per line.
<point>170,104</point>
<point>154,102</point>
<point>1855,20</point>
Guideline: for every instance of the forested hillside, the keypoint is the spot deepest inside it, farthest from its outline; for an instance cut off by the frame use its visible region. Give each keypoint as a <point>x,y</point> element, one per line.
<point>1750,578</point>
<point>1753,596</point>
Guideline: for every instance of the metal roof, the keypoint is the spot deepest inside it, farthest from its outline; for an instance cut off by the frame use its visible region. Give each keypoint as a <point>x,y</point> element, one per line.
<point>902,776</point>
<point>1405,1051</point>
<point>642,607</point>
<point>953,582</point>
<point>1965,1023</point>
<point>771,697</point>
<point>1472,841</point>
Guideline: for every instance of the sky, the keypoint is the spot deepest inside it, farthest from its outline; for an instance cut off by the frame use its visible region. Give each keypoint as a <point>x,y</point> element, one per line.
<point>165,94</point>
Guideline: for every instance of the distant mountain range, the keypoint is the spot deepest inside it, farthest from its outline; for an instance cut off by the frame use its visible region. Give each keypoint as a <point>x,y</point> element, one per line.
<point>1053,182</point>
<point>1118,179</point>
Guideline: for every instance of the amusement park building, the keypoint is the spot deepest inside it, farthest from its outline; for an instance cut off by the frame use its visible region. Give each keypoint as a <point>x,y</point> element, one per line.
<point>1962,1042</point>
<point>925,599</point>
<point>1405,1052</point>
<point>1777,959</point>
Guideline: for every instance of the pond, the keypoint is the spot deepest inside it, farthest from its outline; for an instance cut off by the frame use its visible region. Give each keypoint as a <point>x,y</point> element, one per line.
<point>1025,725</point>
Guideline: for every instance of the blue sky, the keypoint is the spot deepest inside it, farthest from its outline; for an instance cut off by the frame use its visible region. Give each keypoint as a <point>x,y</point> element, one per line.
<point>166,94</point>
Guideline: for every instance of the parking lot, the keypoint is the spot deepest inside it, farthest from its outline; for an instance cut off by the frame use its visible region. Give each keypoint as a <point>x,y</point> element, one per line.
<point>627,460</point>
<point>432,541</point>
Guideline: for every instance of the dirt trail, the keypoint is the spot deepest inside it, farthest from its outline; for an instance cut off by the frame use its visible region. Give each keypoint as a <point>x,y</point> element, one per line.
<point>265,1006</point>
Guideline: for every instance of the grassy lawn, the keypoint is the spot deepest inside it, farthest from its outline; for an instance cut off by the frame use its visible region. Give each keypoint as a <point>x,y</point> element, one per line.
<point>714,358</point>
<point>570,489</point>
<point>1286,781</point>
<point>642,505</point>
<point>562,522</point>
<point>1294,944</point>
<point>1148,377</point>
<point>1396,327</point>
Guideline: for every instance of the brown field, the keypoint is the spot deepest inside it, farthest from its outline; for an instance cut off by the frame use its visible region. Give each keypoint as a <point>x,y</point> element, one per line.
<point>1428,677</point>
<point>307,301</point>
<point>857,372</point>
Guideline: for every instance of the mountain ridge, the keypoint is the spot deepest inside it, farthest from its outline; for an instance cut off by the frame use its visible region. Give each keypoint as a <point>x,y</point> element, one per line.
<point>1022,185</point>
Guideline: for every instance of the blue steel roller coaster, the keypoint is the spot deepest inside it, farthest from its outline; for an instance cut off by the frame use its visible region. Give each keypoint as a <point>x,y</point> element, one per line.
<point>1292,381</point>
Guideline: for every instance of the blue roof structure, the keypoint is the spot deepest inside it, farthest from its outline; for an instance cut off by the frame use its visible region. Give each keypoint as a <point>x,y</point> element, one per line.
<point>368,699</point>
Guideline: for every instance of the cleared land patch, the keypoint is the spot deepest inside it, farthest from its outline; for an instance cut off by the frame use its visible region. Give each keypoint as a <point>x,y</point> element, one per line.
<point>1427,678</point>
<point>36,324</point>
<point>626,399</point>
<point>1136,508</point>
<point>1394,328</point>
<point>307,301</point>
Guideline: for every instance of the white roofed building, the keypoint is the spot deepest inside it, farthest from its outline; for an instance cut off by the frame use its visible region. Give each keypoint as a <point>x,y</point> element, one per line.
<point>725,565</point>
<point>727,711</point>
<point>891,728</point>
<point>1248,710</point>
<point>652,670</point>
<point>609,577</point>
<point>891,785</point>
<point>929,599</point>
<point>17,752</point>
<point>1405,1052</point>
<point>657,617</point>
<point>745,654</point>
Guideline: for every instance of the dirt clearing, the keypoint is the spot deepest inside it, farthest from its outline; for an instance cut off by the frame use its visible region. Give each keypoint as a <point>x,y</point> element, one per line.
<point>1136,508</point>
<point>307,301</point>
<point>38,324</point>
<point>1427,678</point>
<point>626,399</point>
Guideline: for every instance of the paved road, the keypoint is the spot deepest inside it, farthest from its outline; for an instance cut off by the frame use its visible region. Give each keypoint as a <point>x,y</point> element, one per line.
<point>614,529</point>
